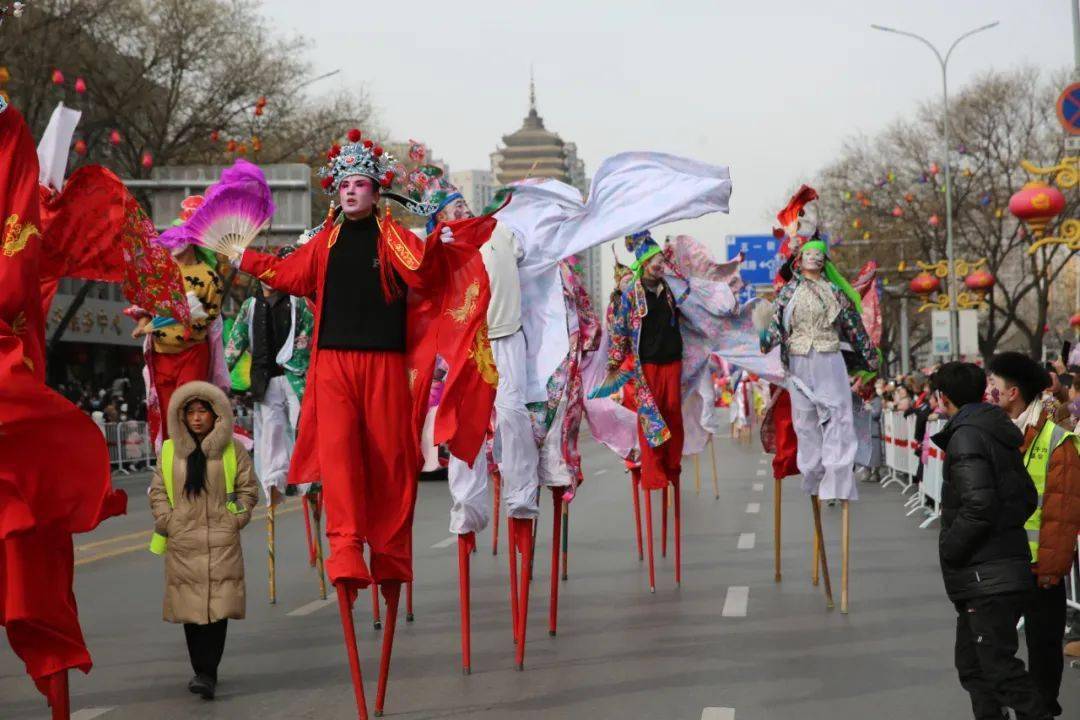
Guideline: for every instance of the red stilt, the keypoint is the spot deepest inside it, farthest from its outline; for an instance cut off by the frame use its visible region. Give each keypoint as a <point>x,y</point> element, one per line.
<point>392,592</point>
<point>345,609</point>
<point>556,538</point>
<point>513,577</point>
<point>649,534</point>
<point>523,543</point>
<point>409,617</point>
<point>676,490</point>
<point>375,607</point>
<point>565,540</point>
<point>59,696</point>
<point>465,544</point>
<point>663,524</point>
<point>635,488</point>
<point>496,481</point>
<point>307,532</point>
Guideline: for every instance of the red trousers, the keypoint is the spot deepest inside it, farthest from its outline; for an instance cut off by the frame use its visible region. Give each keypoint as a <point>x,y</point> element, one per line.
<point>662,465</point>
<point>369,456</point>
<point>171,370</point>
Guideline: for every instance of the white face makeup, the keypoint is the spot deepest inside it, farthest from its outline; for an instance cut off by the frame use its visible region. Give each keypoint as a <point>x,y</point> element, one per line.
<point>813,260</point>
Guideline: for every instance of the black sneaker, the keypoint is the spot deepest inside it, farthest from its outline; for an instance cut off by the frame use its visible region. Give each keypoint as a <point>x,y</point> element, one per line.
<point>203,686</point>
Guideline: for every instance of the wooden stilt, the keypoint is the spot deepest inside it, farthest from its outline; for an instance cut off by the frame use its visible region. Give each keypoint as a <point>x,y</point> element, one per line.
<point>565,540</point>
<point>377,621</point>
<point>317,530</point>
<point>697,474</point>
<point>271,566</point>
<point>815,556</point>
<point>409,617</point>
<point>677,493</point>
<point>635,488</point>
<point>845,571</point>
<point>663,522</point>
<point>496,481</point>
<point>392,593</point>
<point>556,538</point>
<point>777,498</point>
<point>307,531</point>
<point>463,593</point>
<point>649,535</point>
<point>815,505</point>
<point>715,477</point>
<point>349,629</point>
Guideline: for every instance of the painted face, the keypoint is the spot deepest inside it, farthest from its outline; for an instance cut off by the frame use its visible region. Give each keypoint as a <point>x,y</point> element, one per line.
<point>654,268</point>
<point>813,259</point>
<point>357,195</point>
<point>457,210</point>
<point>997,392</point>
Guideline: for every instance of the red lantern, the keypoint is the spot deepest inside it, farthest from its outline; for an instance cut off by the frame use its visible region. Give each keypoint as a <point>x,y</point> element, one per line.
<point>1074,321</point>
<point>147,160</point>
<point>1037,204</point>
<point>909,197</point>
<point>231,146</point>
<point>57,77</point>
<point>924,283</point>
<point>80,147</point>
<point>934,169</point>
<point>258,110</point>
<point>934,221</point>
<point>215,136</point>
<point>115,138</point>
<point>80,86</point>
<point>980,281</point>
<point>897,212</point>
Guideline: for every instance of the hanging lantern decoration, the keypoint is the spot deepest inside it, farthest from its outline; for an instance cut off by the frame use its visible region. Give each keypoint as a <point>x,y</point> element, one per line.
<point>891,177</point>
<point>985,200</point>
<point>1074,321</point>
<point>980,281</point>
<point>256,143</point>
<point>866,235</point>
<point>934,221</point>
<point>5,75</point>
<point>847,195</point>
<point>242,149</point>
<point>934,169</point>
<point>231,146</point>
<point>924,284</point>
<point>856,224</point>
<point>1037,204</point>
<point>147,160</point>
<point>999,213</point>
<point>909,197</point>
<point>57,77</point>
<point>80,86</point>
<point>80,147</point>
<point>214,136</point>
<point>115,138</point>
<point>923,179</point>
<point>897,212</point>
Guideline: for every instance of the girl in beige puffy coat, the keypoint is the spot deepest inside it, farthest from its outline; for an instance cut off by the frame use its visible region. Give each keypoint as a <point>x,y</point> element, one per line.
<point>204,564</point>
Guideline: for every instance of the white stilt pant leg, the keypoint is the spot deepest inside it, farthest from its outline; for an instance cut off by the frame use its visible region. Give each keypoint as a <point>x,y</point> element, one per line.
<point>274,435</point>
<point>516,451</point>
<point>824,426</point>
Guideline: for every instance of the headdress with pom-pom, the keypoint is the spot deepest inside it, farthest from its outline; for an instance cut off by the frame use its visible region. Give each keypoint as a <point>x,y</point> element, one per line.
<point>367,159</point>
<point>427,185</point>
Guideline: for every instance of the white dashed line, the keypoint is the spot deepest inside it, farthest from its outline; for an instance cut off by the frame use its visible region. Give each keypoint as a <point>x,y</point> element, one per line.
<point>753,508</point>
<point>758,487</point>
<point>310,607</point>
<point>718,714</point>
<point>747,540</point>
<point>446,543</point>
<point>761,473</point>
<point>601,471</point>
<point>90,713</point>
<point>738,597</point>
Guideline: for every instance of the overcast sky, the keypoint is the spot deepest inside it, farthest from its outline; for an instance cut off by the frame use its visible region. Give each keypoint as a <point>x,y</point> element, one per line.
<point>770,88</point>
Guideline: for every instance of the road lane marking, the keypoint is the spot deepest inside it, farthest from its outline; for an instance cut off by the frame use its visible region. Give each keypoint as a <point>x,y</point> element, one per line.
<point>601,471</point>
<point>758,487</point>
<point>761,473</point>
<point>747,540</point>
<point>445,543</point>
<point>753,508</point>
<point>90,713</point>
<point>738,597</point>
<point>311,607</point>
<point>717,713</point>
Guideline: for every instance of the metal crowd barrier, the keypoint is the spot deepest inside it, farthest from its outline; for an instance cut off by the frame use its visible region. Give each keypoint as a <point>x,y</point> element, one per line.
<point>130,447</point>
<point>898,433</point>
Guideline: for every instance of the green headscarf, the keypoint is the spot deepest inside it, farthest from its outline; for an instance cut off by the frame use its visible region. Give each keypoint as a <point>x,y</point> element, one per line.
<point>834,276</point>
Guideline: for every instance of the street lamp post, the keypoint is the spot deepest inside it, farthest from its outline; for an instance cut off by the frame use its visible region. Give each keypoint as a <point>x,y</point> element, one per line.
<point>954,340</point>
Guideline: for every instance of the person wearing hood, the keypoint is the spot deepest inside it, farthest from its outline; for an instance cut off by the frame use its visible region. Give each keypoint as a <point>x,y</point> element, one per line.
<point>1017,384</point>
<point>201,497</point>
<point>986,497</point>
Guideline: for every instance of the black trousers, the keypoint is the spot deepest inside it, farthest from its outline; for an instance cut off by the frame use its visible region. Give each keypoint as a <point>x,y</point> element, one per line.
<point>205,644</point>
<point>1044,631</point>
<point>986,645</point>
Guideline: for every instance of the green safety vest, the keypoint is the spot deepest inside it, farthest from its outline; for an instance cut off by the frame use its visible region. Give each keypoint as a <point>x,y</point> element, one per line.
<point>1037,462</point>
<point>159,542</point>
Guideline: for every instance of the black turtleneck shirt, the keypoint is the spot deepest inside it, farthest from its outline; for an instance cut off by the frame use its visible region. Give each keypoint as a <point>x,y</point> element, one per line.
<point>660,341</point>
<point>355,315</point>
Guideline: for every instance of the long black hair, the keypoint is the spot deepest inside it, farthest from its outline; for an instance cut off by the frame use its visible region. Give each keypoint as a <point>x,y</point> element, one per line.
<point>195,477</point>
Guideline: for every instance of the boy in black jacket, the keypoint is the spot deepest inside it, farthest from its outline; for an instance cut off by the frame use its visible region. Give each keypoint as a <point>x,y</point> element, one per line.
<point>985,561</point>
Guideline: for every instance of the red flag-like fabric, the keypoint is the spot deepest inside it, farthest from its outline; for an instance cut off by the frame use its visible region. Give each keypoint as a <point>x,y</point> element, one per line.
<point>866,285</point>
<point>54,466</point>
<point>94,229</point>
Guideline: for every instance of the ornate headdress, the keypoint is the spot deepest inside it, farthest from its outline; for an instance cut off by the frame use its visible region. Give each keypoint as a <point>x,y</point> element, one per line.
<point>367,159</point>
<point>428,186</point>
<point>794,209</point>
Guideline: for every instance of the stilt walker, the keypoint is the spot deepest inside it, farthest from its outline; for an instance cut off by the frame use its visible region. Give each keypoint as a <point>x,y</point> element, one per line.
<point>360,437</point>
<point>815,317</point>
<point>275,330</point>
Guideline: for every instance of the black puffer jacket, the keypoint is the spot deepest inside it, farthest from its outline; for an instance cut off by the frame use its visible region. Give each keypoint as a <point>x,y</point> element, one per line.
<point>986,499</point>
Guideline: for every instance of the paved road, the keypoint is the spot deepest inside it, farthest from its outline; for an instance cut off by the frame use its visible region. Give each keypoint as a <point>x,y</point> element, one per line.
<point>730,643</point>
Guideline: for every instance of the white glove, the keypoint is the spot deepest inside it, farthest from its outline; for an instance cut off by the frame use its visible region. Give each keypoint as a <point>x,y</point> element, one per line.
<point>446,235</point>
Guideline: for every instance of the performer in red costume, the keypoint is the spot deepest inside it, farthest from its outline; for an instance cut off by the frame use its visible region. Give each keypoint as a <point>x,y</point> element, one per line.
<point>54,467</point>
<point>371,367</point>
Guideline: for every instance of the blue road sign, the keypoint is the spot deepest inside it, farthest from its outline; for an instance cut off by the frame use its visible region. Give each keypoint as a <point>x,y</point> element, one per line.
<point>761,255</point>
<point>1068,109</point>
